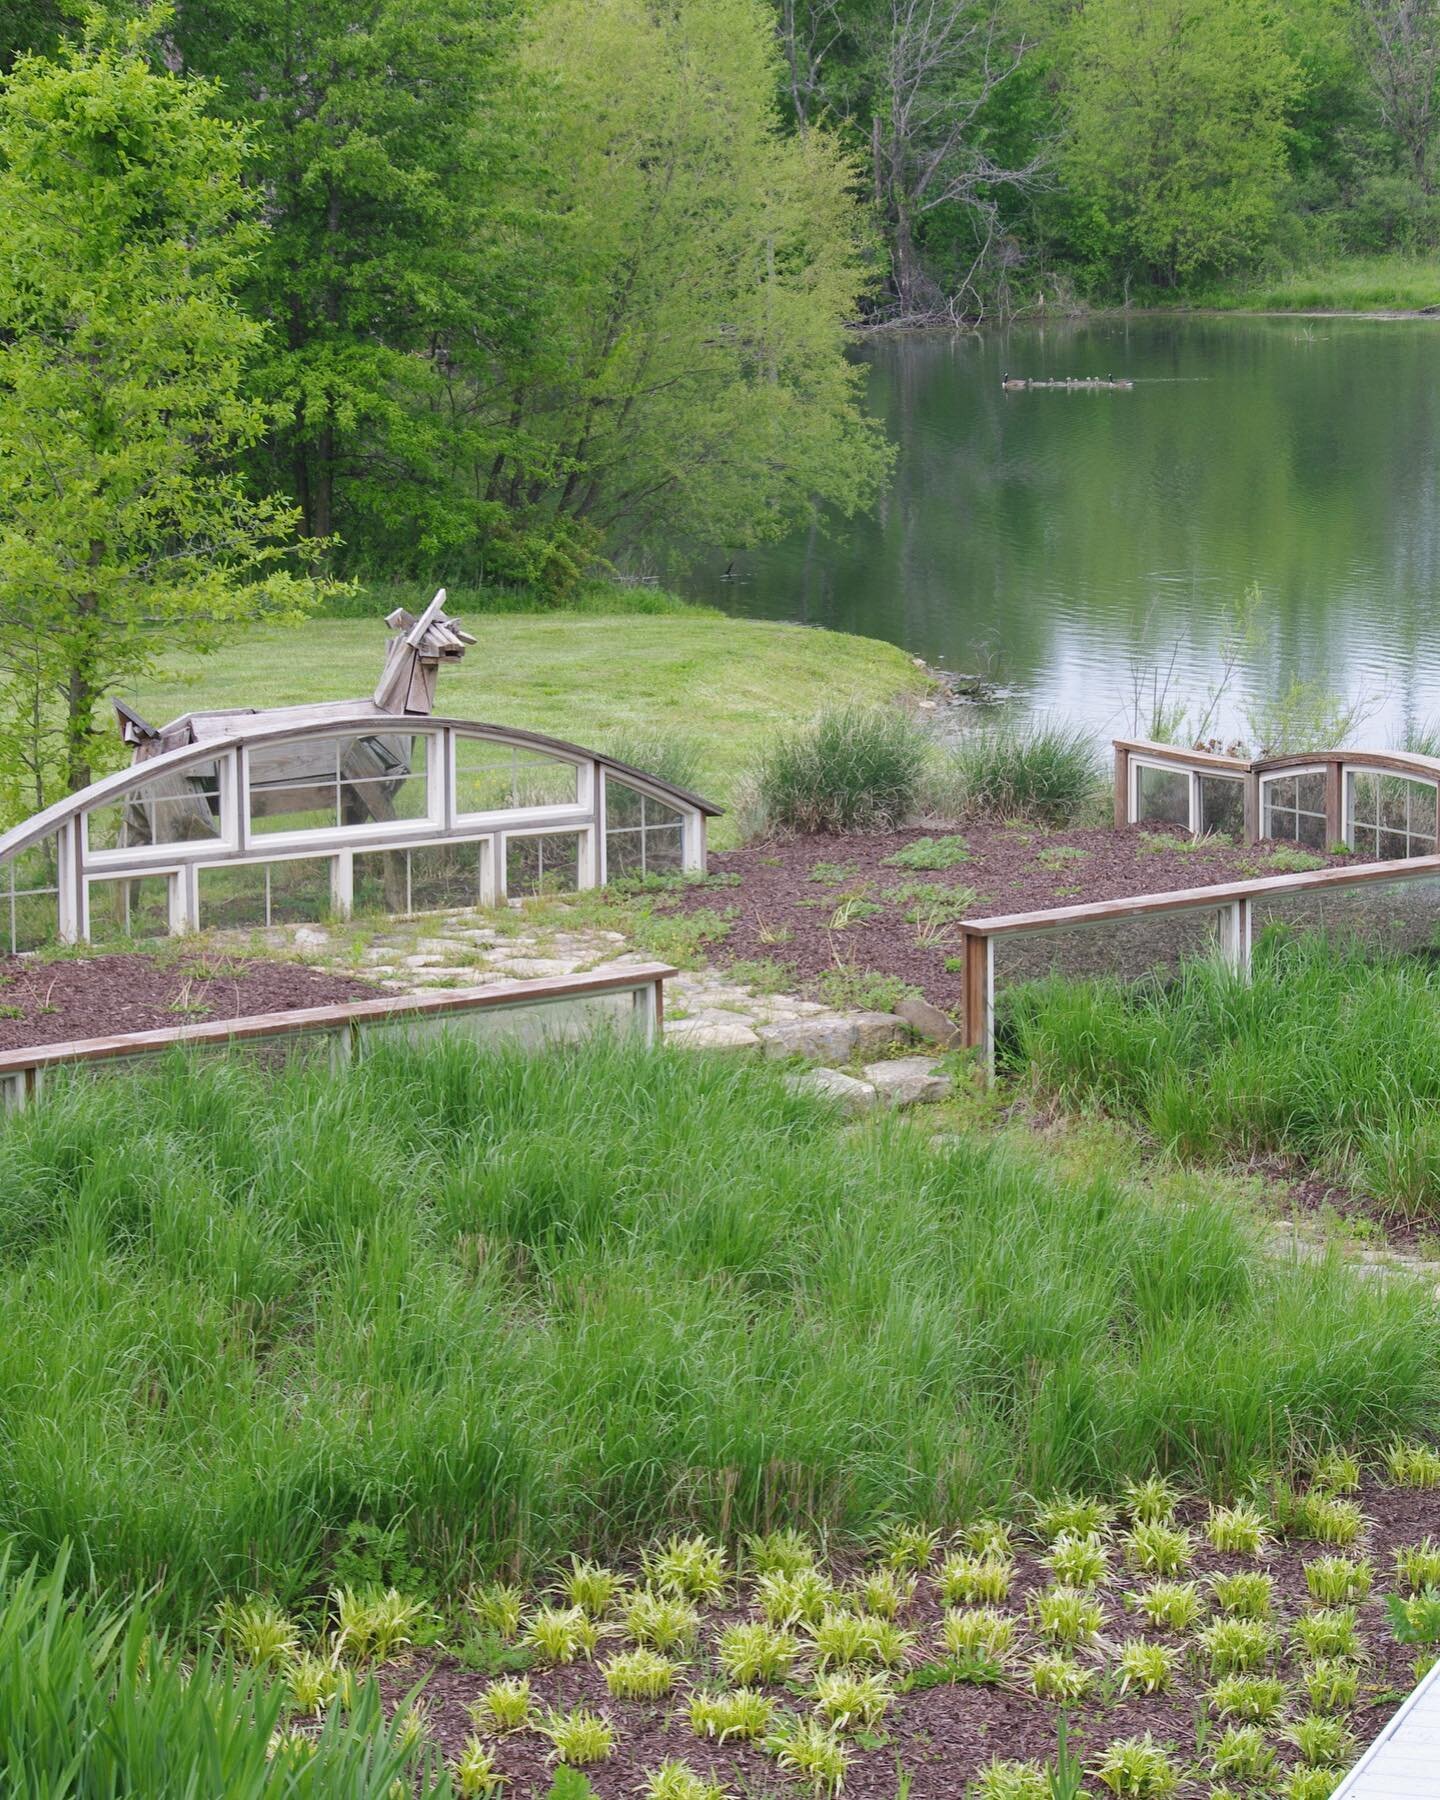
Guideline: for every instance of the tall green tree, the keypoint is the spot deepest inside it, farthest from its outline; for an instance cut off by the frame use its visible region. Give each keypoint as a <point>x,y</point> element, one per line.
<point>1178,111</point>
<point>704,267</point>
<point>125,525</point>
<point>386,133</point>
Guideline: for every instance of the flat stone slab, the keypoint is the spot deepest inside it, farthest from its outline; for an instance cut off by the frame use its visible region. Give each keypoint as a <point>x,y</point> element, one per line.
<point>702,1034</point>
<point>908,1081</point>
<point>817,1040</point>
<point>532,968</point>
<point>834,1084</point>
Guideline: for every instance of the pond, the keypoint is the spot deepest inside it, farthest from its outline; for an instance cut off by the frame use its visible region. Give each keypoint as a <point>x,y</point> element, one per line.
<point>1086,544</point>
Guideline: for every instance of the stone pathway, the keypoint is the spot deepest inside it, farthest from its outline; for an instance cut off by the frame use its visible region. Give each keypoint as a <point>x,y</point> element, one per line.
<point>705,1009</point>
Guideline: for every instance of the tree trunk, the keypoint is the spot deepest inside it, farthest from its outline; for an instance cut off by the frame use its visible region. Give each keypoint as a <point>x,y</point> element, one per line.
<point>81,690</point>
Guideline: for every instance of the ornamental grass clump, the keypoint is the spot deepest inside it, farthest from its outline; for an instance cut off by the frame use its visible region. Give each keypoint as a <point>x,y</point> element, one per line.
<point>1238,1646</point>
<point>967,1580</point>
<point>1153,1500</point>
<point>1007,1779</point>
<point>978,1631</point>
<point>558,1634</point>
<point>1336,1472</point>
<point>1326,1519</point>
<point>1041,770</point>
<point>799,1598</point>
<point>1418,1565</point>
<point>908,1547</point>
<point>743,1714</point>
<point>1137,1767</point>
<point>1413,1464</point>
<point>1335,1579</point>
<point>1240,1529</point>
<point>1331,1685</point>
<point>660,1622</point>
<point>812,1751</point>
<point>1074,1515</point>
<point>1056,1676</point>
<point>883,1592</point>
<point>692,1568</point>
<point>591,1587</point>
<point>1329,1631</point>
<point>848,1701</point>
<point>1245,1593</point>
<point>1310,1784</point>
<point>784,1552</point>
<point>1081,1562</point>
<point>853,768</point>
<point>499,1607</point>
<point>1155,1548</point>
<point>258,1632</point>
<point>676,1780</point>
<point>504,1705</point>
<point>475,1771</point>
<point>1322,1739</point>
<point>1169,1605</point>
<point>639,1675</point>
<point>1243,1752</point>
<point>312,1682</point>
<point>578,1737</point>
<point>756,1652</point>
<point>1148,1667</point>
<point>1066,1615</point>
<point>989,1538</point>
<point>373,1626</point>
<point>1258,1698</point>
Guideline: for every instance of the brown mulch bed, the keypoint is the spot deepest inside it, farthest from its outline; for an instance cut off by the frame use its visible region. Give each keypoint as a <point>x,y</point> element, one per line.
<point>942,1734</point>
<point>789,889</point>
<point>58,1001</point>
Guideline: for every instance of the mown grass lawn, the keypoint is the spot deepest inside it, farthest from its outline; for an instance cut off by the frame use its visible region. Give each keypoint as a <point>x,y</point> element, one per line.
<point>726,683</point>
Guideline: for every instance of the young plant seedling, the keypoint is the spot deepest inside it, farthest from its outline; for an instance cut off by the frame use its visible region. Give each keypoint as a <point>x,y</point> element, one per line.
<point>1138,1768</point>
<point>812,1751</point>
<point>1245,1594</point>
<point>1240,1530</point>
<point>1169,1605</point>
<point>639,1675</point>
<point>753,1651</point>
<point>743,1713</point>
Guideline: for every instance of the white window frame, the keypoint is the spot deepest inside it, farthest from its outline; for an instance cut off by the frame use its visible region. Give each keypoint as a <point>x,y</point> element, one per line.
<point>1262,781</point>
<point>581,809</point>
<point>585,874</point>
<point>1192,810</point>
<point>224,843</point>
<point>483,840</point>
<point>336,837</point>
<point>1347,809</point>
<point>692,822</point>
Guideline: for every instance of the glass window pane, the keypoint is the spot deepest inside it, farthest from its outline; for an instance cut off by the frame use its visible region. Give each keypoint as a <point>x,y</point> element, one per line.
<point>1125,948</point>
<point>249,896</point>
<point>178,808</point>
<point>1222,805</point>
<point>546,863</point>
<point>492,777</point>
<point>1162,796</point>
<point>426,879</point>
<point>30,897</point>
<point>624,805</point>
<point>1310,792</point>
<point>317,784</point>
<point>1391,816</point>
<point>138,907</point>
<point>1393,915</point>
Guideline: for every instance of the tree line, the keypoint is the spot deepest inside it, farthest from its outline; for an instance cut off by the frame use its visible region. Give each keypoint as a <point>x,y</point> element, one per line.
<point>1113,149</point>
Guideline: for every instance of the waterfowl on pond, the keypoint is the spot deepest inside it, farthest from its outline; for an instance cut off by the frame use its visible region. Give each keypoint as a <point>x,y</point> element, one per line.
<point>1006,382</point>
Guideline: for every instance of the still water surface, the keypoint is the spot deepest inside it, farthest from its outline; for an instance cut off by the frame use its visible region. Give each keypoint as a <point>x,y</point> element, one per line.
<point>1076,544</point>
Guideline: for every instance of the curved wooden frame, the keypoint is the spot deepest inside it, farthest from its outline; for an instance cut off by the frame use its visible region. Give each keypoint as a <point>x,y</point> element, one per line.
<point>238,845</point>
<point>1133,754</point>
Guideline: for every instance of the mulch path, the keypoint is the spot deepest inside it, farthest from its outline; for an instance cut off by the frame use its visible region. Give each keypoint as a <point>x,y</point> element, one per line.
<point>789,900</point>
<point>942,1735</point>
<point>57,1001</point>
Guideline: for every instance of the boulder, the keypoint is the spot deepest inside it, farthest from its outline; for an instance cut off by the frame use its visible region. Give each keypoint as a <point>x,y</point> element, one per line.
<point>833,1084</point>
<point>702,1034</point>
<point>878,1031</point>
<point>929,1021</point>
<point>908,1081</point>
<point>817,1040</point>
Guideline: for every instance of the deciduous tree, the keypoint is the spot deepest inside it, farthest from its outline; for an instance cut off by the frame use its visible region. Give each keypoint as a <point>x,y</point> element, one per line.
<point>125,525</point>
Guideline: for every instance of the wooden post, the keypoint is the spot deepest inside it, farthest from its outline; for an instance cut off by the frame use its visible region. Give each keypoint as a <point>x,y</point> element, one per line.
<point>1334,802</point>
<point>1235,935</point>
<point>978,1009</point>
<point>1122,787</point>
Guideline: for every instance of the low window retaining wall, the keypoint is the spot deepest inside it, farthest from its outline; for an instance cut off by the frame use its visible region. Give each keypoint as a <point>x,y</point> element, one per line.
<point>565,1006</point>
<point>1393,904</point>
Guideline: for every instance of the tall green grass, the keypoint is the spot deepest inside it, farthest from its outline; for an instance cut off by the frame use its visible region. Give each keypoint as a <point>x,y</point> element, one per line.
<point>1326,1053</point>
<point>1039,769</point>
<point>374,598</point>
<point>93,1705</point>
<point>521,1305</point>
<point>854,768</point>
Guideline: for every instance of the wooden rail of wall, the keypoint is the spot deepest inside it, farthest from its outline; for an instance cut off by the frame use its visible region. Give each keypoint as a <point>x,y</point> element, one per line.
<point>1232,900</point>
<point>345,1025</point>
